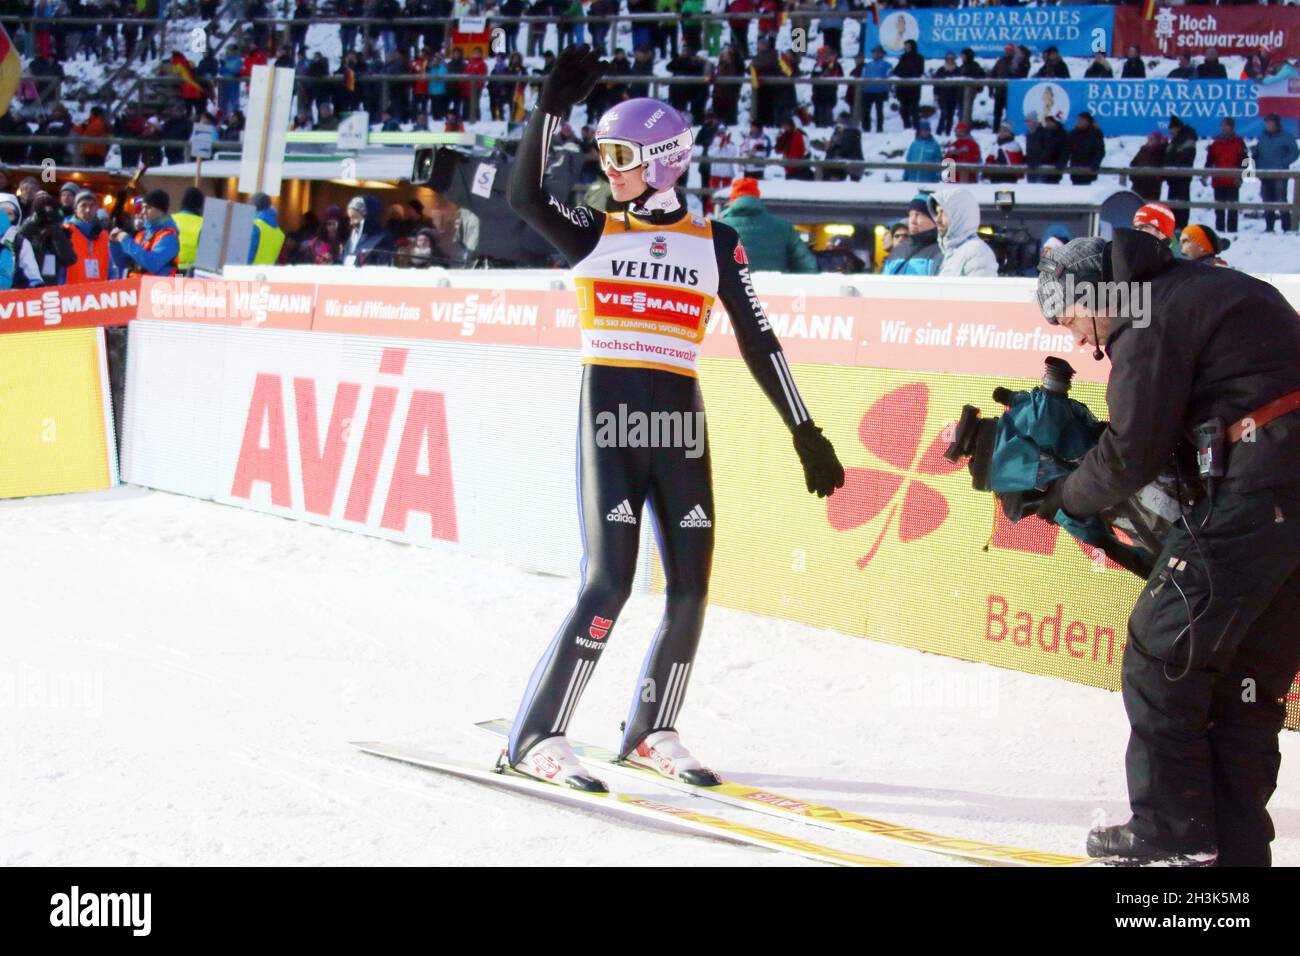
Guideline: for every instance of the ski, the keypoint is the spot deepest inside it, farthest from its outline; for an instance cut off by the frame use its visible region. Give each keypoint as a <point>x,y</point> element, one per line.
<point>621,804</point>
<point>779,805</point>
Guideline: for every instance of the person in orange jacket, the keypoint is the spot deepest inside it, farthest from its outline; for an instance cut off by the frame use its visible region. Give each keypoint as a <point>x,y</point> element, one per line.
<point>88,233</point>
<point>96,125</point>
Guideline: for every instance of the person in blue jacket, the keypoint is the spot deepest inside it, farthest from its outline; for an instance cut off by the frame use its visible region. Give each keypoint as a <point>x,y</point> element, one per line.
<point>919,254</point>
<point>874,94</point>
<point>924,149</point>
<point>6,255</point>
<point>1276,149</point>
<point>154,249</point>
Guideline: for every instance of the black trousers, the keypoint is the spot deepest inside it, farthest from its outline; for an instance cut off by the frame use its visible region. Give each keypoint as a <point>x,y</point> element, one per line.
<point>614,481</point>
<point>1206,704</point>
<point>1226,219</point>
<point>1180,188</point>
<point>1275,190</point>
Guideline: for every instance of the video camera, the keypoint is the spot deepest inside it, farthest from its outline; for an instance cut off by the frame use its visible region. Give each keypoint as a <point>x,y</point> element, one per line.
<point>492,230</point>
<point>1042,436</point>
<point>1015,249</point>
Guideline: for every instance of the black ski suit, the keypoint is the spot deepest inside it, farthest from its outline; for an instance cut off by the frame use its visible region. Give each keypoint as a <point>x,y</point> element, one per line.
<point>615,478</point>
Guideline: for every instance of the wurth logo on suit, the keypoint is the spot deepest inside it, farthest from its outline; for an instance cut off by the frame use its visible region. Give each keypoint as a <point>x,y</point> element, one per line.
<point>597,631</point>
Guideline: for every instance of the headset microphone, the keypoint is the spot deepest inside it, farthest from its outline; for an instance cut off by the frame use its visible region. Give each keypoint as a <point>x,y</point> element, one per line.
<point>1097,353</point>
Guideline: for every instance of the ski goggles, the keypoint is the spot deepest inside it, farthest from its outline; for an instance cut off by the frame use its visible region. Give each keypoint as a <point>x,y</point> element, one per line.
<point>623,155</point>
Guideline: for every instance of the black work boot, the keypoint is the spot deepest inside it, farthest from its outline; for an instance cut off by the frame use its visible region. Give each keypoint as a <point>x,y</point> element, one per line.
<point>1120,846</point>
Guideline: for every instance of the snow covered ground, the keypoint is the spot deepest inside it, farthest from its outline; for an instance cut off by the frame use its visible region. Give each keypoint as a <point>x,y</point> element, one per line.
<point>179,680</point>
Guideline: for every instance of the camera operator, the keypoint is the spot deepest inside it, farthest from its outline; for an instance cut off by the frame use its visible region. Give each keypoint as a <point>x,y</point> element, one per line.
<point>1212,641</point>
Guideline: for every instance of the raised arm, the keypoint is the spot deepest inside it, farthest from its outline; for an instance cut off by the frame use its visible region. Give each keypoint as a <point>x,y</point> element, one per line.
<point>574,231</point>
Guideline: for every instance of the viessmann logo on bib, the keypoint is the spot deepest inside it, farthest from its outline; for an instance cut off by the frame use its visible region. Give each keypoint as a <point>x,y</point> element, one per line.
<point>676,306</point>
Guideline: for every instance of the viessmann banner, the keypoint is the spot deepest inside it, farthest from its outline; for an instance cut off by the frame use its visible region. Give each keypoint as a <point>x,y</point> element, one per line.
<point>56,419</point>
<point>460,434</point>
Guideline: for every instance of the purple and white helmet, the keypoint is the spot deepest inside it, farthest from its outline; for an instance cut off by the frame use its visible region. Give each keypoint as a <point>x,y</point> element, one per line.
<point>649,133</point>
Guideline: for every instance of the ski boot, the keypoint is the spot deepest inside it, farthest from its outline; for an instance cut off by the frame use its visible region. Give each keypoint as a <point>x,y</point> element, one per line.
<point>663,753</point>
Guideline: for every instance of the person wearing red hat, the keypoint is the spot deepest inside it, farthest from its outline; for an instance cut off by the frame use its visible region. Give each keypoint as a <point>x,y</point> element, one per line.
<point>1157,219</point>
<point>964,149</point>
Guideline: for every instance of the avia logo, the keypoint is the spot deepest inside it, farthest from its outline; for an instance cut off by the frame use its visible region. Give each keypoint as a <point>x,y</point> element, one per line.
<point>600,626</point>
<point>892,430</point>
<point>416,478</point>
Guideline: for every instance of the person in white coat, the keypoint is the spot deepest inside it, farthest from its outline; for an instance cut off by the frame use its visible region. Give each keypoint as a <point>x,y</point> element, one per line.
<point>957,215</point>
<point>27,271</point>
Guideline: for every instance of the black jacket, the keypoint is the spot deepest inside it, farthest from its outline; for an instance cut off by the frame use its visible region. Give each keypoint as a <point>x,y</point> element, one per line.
<point>1219,343</point>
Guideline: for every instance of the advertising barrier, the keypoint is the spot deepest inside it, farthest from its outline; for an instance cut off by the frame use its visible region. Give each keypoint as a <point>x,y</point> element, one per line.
<point>56,416</point>
<point>1074,30</point>
<point>1136,107</point>
<point>1232,30</point>
<point>445,417</point>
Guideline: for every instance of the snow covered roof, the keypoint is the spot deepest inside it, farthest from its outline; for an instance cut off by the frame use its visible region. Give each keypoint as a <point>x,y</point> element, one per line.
<point>389,165</point>
<point>898,194</point>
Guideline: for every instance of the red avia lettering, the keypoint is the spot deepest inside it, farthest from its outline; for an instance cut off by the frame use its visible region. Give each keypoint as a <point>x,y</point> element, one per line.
<point>421,474</point>
<point>1048,632</point>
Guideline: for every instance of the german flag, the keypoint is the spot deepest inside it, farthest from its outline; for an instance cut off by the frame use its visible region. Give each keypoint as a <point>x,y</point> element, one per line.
<point>192,88</point>
<point>518,111</point>
<point>1148,9</point>
<point>11,70</point>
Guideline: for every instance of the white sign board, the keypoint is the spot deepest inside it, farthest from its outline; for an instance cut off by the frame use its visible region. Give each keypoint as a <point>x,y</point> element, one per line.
<point>354,130</point>
<point>201,140</point>
<point>226,234</point>
<point>261,164</point>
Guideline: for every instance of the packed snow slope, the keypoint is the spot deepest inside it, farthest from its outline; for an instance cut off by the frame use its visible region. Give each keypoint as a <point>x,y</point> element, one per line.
<point>179,680</point>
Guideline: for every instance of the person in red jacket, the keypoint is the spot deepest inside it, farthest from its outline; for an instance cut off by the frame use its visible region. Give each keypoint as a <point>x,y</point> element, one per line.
<point>740,27</point>
<point>1227,151</point>
<point>475,66</point>
<point>964,149</point>
<point>792,144</point>
<point>1006,153</point>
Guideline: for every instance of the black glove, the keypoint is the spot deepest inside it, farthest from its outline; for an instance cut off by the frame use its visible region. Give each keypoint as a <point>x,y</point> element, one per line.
<point>1053,500</point>
<point>575,73</point>
<point>822,471</point>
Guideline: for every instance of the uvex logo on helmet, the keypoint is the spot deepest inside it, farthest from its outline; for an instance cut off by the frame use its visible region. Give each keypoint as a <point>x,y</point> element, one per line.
<point>665,148</point>
<point>654,119</point>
